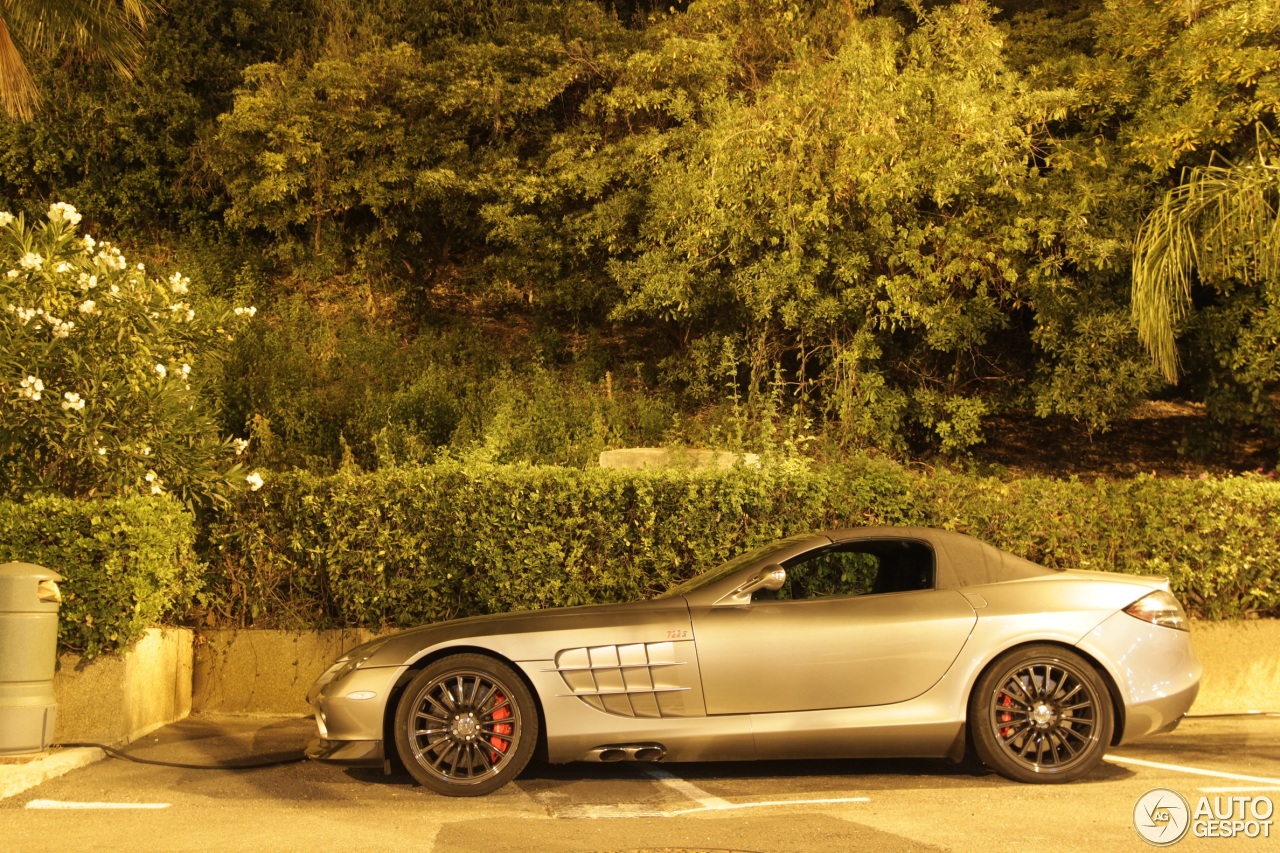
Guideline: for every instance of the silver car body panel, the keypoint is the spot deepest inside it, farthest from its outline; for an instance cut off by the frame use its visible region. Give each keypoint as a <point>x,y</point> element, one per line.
<point>1154,668</point>
<point>711,677</point>
<point>893,647</point>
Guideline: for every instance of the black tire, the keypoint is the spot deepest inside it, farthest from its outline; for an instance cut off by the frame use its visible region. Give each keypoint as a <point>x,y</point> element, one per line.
<point>466,725</point>
<point>1041,713</point>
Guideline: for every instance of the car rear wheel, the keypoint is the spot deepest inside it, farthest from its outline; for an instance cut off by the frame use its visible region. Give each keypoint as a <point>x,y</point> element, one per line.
<point>1041,714</point>
<point>466,725</point>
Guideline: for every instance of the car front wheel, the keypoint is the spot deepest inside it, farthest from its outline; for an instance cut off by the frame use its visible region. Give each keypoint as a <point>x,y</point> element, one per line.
<point>466,725</point>
<point>1041,713</point>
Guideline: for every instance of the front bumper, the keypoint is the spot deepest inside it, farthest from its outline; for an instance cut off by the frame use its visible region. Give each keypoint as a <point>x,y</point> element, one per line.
<point>350,711</point>
<point>349,753</point>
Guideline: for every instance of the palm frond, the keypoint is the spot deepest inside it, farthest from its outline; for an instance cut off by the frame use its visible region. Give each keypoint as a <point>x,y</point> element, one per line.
<point>1222,223</point>
<point>19,96</point>
<point>110,29</point>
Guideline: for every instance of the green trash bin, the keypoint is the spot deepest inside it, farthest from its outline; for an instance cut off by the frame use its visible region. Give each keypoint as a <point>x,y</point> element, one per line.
<point>29,599</point>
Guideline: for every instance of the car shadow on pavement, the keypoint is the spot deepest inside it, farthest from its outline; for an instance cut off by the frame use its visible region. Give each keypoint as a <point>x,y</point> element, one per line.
<point>819,775</point>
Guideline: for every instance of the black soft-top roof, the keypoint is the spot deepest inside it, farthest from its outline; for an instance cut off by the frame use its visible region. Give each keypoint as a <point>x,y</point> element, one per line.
<point>962,560</point>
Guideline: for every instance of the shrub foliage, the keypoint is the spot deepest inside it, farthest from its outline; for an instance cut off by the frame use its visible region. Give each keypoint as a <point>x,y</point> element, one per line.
<point>128,564</point>
<point>411,545</point>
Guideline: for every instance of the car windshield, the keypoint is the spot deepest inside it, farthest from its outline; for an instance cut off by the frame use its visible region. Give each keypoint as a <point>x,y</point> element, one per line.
<point>744,559</point>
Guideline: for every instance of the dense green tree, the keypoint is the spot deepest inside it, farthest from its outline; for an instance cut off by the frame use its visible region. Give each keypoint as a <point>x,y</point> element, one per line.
<point>1186,91</point>
<point>899,216</point>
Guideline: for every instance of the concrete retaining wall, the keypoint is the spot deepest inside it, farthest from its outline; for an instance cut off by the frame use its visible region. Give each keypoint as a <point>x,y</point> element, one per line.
<point>263,672</point>
<point>115,699</point>
<point>1241,666</point>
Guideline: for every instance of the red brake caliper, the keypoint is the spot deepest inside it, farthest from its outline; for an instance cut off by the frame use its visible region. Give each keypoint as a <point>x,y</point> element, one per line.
<point>496,742</point>
<point>1005,716</point>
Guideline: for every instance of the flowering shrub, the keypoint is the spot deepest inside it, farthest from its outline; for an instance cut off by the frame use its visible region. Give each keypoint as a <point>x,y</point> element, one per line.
<point>98,372</point>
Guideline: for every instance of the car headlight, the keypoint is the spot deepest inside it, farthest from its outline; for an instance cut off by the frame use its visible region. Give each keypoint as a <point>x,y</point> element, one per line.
<point>349,662</point>
<point>1160,608</point>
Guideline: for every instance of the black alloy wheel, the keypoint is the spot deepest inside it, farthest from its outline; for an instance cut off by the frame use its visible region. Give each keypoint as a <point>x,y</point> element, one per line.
<point>466,725</point>
<point>1041,713</point>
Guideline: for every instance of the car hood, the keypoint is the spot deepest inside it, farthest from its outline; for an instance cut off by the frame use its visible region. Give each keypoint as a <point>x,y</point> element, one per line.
<point>536,634</point>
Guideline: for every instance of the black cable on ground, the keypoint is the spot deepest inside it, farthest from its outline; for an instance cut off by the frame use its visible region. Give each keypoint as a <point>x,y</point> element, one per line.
<point>239,765</point>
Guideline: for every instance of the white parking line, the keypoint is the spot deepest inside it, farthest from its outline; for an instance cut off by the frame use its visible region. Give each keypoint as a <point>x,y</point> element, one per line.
<point>634,810</point>
<point>825,801</point>
<point>62,804</point>
<point>688,789</point>
<point>1196,771</point>
<point>708,803</point>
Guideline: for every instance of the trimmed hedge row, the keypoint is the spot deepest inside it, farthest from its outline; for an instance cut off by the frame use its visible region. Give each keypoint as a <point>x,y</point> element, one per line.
<point>128,563</point>
<point>1217,540</point>
<point>406,546</point>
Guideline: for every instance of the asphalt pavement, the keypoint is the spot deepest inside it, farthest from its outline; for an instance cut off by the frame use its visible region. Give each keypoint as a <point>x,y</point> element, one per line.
<point>114,804</point>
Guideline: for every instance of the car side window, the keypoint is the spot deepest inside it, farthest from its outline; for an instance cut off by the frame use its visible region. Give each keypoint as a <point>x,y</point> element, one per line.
<point>860,568</point>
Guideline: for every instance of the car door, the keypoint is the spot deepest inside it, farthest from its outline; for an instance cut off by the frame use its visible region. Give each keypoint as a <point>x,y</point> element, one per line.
<point>855,624</point>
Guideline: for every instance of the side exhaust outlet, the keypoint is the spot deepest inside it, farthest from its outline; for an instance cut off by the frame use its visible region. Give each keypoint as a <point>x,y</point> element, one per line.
<point>627,752</point>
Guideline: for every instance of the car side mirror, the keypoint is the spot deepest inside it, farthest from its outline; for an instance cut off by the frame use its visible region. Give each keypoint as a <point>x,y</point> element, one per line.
<point>771,577</point>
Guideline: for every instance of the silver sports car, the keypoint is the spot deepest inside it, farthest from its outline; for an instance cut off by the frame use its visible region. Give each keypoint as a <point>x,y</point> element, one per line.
<point>872,642</point>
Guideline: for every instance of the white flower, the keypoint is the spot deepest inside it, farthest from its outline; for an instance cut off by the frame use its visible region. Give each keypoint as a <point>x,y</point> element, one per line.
<point>65,212</point>
<point>157,489</point>
<point>72,402</point>
<point>109,256</point>
<point>162,370</point>
<point>63,267</point>
<point>30,388</point>
<point>191,314</point>
<point>142,268</point>
<point>31,261</point>
<point>179,283</point>
<point>254,480</point>
<point>146,451</point>
<point>186,370</point>
<point>13,273</point>
<point>102,451</point>
<point>6,218</point>
<point>89,243</point>
<point>115,290</point>
<point>151,477</point>
<point>88,307</point>
<point>246,312</point>
<point>240,444</point>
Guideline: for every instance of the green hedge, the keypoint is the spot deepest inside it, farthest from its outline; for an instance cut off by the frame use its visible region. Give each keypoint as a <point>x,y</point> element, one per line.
<point>128,564</point>
<point>1217,540</point>
<point>406,546</point>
